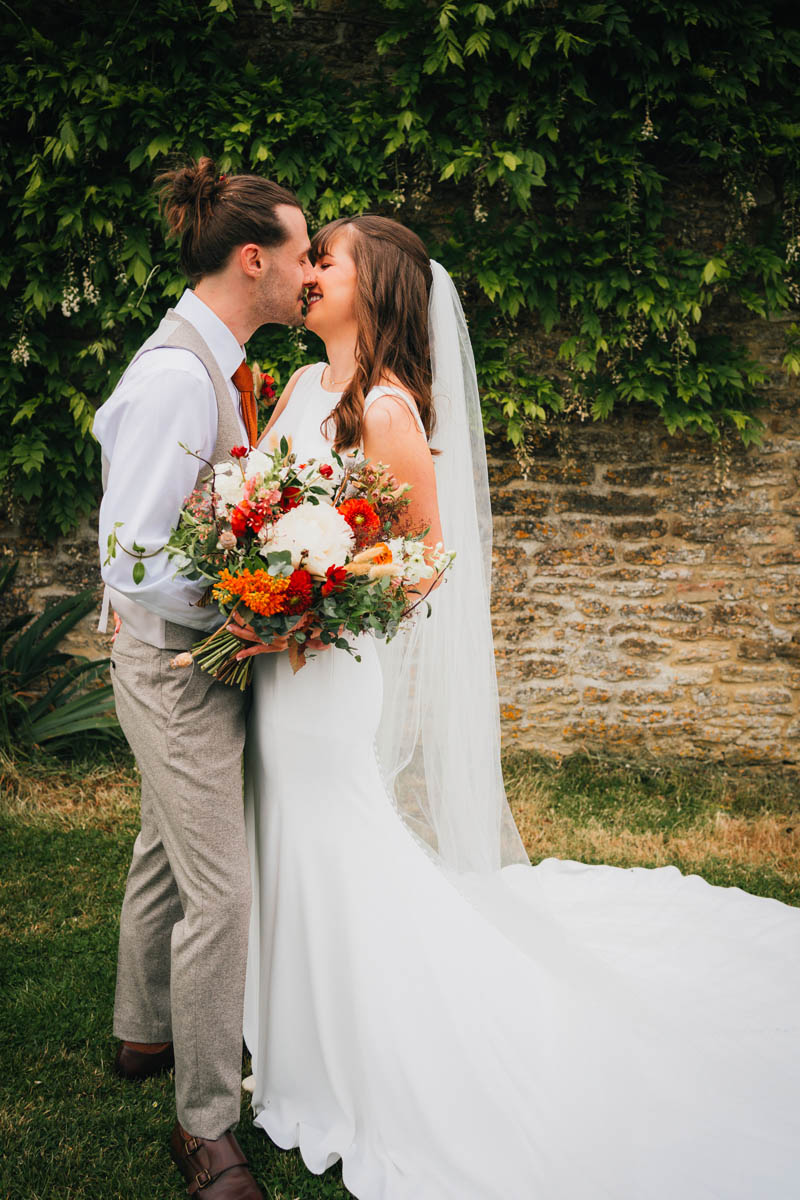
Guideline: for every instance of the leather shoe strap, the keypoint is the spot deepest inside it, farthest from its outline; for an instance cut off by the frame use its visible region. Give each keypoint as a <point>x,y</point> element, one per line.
<point>203,1161</point>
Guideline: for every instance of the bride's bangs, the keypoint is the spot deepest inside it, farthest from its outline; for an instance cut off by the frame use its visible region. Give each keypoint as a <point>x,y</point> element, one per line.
<point>324,238</point>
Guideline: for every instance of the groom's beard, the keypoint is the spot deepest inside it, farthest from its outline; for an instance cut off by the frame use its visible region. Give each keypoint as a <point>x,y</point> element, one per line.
<point>276,307</point>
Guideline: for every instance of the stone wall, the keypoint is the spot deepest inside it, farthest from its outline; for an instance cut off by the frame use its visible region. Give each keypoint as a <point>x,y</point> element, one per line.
<point>647,589</point>
<point>647,593</point>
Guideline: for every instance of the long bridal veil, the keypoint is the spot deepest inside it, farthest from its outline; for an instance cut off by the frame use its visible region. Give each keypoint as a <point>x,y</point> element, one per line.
<point>664,1027</point>
<point>439,737</point>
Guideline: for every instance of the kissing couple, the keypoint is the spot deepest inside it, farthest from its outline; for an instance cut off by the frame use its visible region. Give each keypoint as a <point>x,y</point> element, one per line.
<point>419,1001</point>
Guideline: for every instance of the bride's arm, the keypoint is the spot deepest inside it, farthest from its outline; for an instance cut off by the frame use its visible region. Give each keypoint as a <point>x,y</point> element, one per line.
<point>391,436</point>
<point>283,400</point>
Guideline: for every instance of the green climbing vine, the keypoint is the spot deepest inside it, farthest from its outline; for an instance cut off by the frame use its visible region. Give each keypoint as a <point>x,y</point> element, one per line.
<point>614,186</point>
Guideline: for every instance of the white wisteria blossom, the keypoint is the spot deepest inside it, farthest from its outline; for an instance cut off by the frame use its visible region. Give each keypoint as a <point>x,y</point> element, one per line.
<point>409,554</point>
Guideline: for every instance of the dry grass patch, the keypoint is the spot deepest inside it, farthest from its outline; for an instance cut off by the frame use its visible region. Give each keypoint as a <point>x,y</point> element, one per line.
<point>589,809</point>
<point>765,841</point>
<point>597,811</point>
<point>101,795</point>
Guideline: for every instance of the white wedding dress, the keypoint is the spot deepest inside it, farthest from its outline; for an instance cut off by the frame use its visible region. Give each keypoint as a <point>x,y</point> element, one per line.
<point>557,1032</point>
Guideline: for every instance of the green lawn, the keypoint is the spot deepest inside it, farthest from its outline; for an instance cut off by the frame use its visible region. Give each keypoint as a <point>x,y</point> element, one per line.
<point>70,1129</point>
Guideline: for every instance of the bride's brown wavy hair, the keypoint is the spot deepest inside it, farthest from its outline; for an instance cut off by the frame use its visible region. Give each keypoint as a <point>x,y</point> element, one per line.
<point>393,282</point>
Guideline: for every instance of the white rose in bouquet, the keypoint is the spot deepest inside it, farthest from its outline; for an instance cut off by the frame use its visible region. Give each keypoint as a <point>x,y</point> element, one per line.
<point>317,531</point>
<point>228,483</point>
<point>257,463</point>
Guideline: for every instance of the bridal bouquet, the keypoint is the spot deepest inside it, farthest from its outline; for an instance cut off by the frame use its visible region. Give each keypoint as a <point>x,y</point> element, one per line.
<point>299,550</point>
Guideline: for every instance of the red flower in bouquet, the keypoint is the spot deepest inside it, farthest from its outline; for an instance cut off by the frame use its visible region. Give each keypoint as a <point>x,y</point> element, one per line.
<point>326,470</point>
<point>239,517</point>
<point>290,497</point>
<point>299,592</point>
<point>335,579</point>
<point>256,517</point>
<point>263,385</point>
<point>362,519</point>
<point>239,451</point>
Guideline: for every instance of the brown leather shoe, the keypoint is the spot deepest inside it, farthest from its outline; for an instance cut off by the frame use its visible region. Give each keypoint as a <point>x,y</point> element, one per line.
<point>133,1064</point>
<point>216,1168</point>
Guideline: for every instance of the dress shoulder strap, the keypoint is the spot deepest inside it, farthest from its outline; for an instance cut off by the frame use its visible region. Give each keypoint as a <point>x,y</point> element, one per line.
<point>401,394</point>
<point>312,374</point>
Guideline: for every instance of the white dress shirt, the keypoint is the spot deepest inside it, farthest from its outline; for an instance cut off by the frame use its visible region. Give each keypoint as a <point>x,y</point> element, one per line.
<point>165,398</point>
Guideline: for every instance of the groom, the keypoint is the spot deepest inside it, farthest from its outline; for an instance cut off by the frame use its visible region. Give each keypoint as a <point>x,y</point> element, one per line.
<point>184,922</point>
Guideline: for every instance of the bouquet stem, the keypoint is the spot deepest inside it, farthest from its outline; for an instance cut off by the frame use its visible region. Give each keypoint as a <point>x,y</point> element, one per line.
<point>217,655</point>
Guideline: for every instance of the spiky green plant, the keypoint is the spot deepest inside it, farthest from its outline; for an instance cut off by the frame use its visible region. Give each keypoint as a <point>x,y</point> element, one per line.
<point>47,695</point>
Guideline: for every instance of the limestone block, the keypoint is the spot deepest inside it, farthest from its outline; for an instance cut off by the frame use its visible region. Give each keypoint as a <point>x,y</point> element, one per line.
<point>736,672</point>
<point>615,503</point>
<point>787,612</point>
<point>675,611</point>
<point>645,647</point>
<point>772,697</point>
<point>590,554</point>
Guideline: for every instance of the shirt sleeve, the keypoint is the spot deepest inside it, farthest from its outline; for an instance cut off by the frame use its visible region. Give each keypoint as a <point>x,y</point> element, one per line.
<point>166,399</point>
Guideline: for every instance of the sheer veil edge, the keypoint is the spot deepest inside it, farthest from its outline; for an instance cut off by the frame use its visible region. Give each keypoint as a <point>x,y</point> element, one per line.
<point>439,738</point>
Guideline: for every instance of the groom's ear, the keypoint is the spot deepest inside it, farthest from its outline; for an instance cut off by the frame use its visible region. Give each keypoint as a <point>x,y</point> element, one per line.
<point>252,259</point>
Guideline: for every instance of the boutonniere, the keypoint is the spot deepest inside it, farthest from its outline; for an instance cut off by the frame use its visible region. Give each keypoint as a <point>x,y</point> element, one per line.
<point>263,385</point>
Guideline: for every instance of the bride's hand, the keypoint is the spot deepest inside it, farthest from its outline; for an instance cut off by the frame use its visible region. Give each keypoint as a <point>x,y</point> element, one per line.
<point>312,632</point>
<point>241,629</point>
<point>313,641</point>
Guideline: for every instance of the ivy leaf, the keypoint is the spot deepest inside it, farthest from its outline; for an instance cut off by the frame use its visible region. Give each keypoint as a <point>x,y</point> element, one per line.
<point>159,145</point>
<point>713,269</point>
<point>138,572</point>
<point>477,43</point>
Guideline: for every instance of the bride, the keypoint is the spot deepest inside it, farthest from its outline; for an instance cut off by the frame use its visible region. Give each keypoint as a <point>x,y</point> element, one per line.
<point>422,1003</point>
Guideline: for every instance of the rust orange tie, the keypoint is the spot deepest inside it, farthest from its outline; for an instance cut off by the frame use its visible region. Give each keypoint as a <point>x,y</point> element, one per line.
<point>243,380</point>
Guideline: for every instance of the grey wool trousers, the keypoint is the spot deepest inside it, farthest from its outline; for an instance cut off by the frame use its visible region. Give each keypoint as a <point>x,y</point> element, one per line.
<point>185,916</point>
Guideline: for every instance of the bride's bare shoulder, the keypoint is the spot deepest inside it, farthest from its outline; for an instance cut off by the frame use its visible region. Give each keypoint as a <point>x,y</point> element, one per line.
<point>390,412</point>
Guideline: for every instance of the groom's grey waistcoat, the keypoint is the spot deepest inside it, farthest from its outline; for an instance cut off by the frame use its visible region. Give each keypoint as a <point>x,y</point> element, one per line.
<point>176,332</point>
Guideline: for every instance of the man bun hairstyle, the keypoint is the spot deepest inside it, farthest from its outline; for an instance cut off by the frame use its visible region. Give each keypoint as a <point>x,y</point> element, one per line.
<point>213,213</point>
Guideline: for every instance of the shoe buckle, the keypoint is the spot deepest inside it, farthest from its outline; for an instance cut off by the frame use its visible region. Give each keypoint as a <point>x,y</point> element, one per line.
<point>191,1146</point>
<point>203,1179</point>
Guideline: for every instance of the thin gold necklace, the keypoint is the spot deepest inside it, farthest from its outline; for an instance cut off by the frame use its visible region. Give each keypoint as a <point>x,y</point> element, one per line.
<point>335,381</point>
